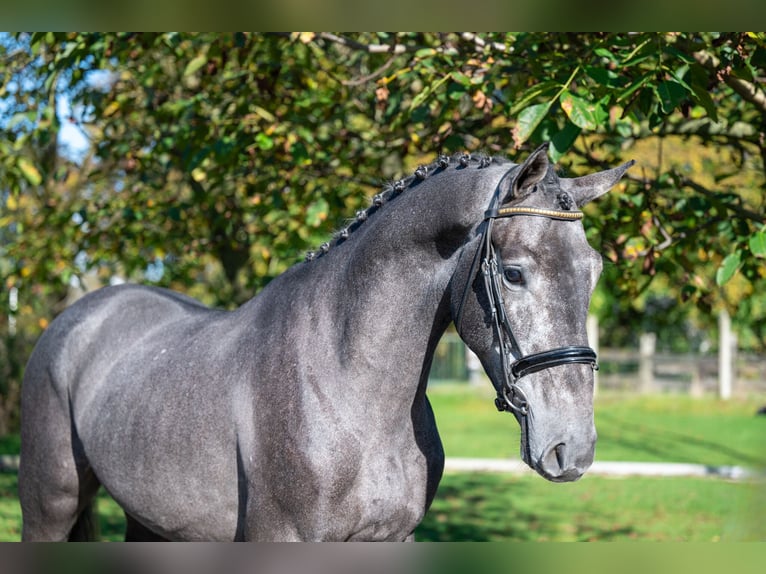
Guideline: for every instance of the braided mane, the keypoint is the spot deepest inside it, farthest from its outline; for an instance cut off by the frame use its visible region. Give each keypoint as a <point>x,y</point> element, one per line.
<point>393,190</point>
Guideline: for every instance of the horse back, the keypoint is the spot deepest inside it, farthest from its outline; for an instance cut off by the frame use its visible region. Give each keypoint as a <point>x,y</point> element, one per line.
<point>103,324</point>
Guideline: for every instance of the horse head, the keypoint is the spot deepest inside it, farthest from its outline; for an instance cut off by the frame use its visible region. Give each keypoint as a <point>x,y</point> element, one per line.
<point>520,298</point>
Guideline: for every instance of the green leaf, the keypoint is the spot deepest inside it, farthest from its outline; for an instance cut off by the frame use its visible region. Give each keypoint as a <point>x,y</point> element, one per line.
<point>461,79</point>
<point>264,142</point>
<point>675,52</point>
<point>425,53</point>
<point>605,77</point>
<point>758,243</point>
<point>542,89</point>
<point>527,122</point>
<point>728,268</point>
<point>582,113</point>
<point>635,85</point>
<point>671,93</point>
<point>425,94</point>
<point>317,212</point>
<point>563,140</point>
<point>604,53</point>
<point>29,171</point>
<point>265,114</point>
<point>637,56</point>
<point>195,64</point>
<point>702,95</point>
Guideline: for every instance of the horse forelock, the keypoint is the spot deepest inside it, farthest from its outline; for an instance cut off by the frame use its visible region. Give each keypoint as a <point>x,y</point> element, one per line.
<point>393,189</point>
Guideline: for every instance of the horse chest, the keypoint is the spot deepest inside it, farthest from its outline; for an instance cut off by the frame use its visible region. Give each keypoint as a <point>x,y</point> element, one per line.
<point>348,494</point>
<point>390,498</point>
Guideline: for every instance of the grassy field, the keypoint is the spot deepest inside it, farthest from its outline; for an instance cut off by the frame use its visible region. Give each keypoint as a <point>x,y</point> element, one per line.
<point>662,428</point>
<point>491,507</point>
<point>477,506</point>
<point>659,428</point>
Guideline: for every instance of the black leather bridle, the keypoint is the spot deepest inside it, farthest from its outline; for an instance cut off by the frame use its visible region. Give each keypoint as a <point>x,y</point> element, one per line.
<point>510,397</point>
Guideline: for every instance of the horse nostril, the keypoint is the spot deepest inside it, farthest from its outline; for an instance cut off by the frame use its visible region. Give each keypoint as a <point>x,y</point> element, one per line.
<point>555,464</point>
<point>554,460</point>
<point>560,463</point>
<point>560,451</point>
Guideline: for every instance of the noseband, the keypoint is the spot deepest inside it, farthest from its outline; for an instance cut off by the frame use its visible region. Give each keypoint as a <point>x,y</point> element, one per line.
<point>510,397</point>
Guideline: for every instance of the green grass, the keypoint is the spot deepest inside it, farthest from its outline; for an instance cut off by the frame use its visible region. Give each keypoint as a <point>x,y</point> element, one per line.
<point>662,428</point>
<point>10,444</point>
<point>111,518</point>
<point>476,506</point>
<point>10,513</point>
<point>492,507</point>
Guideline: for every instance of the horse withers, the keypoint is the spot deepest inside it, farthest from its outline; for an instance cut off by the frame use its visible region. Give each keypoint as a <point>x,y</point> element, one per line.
<point>302,415</point>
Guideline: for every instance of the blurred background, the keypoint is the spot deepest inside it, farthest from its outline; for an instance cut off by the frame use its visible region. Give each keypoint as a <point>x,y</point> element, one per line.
<point>209,163</point>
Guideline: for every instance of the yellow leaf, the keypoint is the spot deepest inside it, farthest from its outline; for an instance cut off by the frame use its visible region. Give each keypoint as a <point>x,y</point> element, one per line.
<point>307,37</point>
<point>265,114</point>
<point>195,64</point>
<point>11,203</point>
<point>198,174</point>
<point>111,108</point>
<point>29,171</point>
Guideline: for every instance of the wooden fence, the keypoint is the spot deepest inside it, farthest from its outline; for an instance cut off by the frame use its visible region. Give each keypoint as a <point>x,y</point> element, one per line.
<point>697,375</point>
<point>641,370</point>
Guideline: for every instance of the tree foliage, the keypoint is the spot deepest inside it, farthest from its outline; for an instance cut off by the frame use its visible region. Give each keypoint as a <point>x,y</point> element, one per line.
<point>216,160</point>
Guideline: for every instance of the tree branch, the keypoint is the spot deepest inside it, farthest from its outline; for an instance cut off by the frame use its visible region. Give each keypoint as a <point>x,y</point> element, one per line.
<point>734,134</point>
<point>369,77</point>
<point>743,212</point>
<point>481,44</point>
<point>750,92</point>
<point>369,48</point>
<point>396,48</point>
<point>684,181</point>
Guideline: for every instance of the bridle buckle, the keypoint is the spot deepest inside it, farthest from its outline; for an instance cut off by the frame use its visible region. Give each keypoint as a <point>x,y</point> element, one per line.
<point>515,403</point>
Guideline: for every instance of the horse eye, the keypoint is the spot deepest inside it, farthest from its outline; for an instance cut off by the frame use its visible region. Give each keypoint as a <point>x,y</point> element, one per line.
<point>513,275</point>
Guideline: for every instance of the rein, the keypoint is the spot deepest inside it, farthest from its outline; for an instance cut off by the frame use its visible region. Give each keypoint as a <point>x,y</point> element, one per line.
<point>510,397</point>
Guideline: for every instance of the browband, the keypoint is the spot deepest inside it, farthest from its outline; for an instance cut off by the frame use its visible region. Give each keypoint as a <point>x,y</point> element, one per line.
<point>549,213</point>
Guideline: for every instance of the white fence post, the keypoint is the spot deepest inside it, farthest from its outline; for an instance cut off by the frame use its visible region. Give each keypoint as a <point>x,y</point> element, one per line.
<point>725,358</point>
<point>647,343</point>
<point>13,306</point>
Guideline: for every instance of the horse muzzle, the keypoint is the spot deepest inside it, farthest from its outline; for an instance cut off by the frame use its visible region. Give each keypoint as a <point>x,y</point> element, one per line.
<point>564,463</point>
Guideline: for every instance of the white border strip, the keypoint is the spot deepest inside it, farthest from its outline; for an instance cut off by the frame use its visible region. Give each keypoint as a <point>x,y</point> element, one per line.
<point>606,468</point>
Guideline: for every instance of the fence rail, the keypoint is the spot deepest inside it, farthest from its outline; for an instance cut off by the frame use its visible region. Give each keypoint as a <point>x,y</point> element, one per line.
<point>630,370</point>
<point>696,375</point>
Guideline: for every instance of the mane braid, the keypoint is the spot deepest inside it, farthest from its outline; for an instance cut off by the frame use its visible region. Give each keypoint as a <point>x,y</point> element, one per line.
<point>392,190</point>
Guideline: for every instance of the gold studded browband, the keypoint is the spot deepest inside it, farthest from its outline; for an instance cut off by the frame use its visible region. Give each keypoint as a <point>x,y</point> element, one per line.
<point>550,213</point>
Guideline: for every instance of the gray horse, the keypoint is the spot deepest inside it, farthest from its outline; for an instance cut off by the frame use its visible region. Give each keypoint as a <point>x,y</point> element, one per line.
<point>303,415</point>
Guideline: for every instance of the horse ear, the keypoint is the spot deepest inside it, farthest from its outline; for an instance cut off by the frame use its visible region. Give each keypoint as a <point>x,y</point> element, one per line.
<point>589,187</point>
<point>521,182</point>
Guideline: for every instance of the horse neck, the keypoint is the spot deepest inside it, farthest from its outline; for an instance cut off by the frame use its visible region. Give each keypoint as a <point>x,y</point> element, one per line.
<point>393,279</point>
